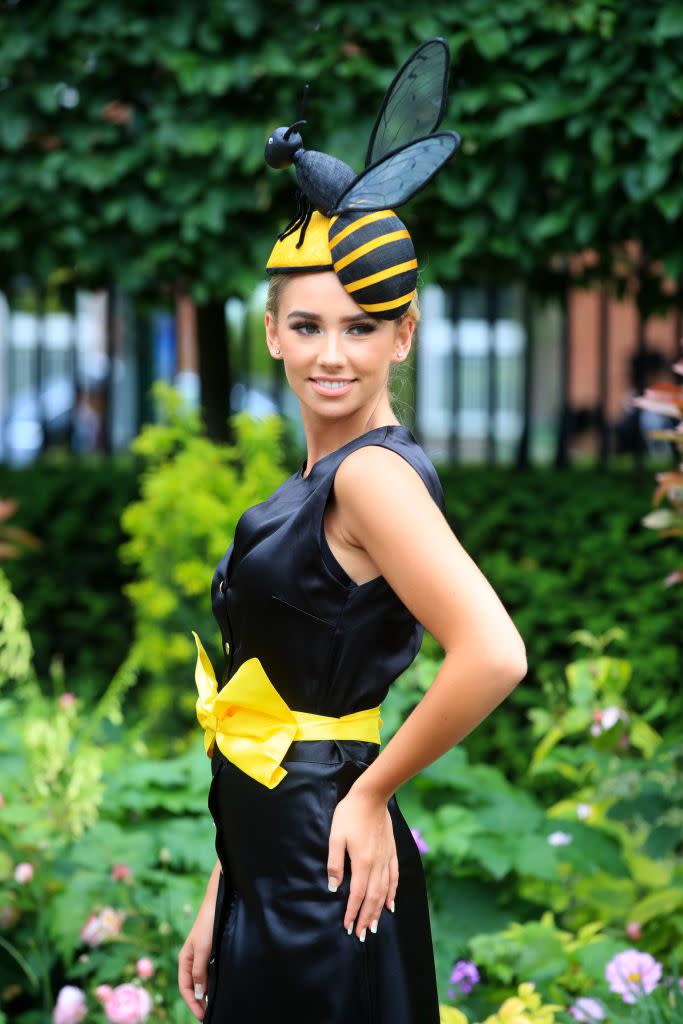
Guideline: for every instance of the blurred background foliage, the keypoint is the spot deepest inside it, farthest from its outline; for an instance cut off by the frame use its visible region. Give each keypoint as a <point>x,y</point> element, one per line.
<point>132,140</point>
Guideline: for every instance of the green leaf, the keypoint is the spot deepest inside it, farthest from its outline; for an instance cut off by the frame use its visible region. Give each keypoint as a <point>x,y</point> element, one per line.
<point>492,42</point>
<point>670,204</point>
<point>644,737</point>
<point>14,128</point>
<point>658,904</point>
<point>669,24</point>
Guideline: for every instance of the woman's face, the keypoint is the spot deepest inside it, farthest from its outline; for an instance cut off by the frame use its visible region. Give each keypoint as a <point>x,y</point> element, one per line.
<point>322,333</point>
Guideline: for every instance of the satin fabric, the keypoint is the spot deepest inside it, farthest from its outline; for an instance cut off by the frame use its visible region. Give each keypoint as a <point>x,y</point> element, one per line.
<point>281,954</point>
<point>330,647</point>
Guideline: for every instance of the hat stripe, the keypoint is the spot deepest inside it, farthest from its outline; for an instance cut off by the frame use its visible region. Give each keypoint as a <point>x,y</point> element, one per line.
<point>378,307</point>
<point>369,218</point>
<point>355,254</point>
<point>381,275</point>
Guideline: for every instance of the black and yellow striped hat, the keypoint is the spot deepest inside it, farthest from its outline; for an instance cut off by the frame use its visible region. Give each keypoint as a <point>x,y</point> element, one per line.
<point>346,221</point>
<point>371,253</point>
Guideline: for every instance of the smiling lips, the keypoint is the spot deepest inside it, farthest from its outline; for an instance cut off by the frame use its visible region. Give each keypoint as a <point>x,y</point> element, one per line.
<point>331,385</point>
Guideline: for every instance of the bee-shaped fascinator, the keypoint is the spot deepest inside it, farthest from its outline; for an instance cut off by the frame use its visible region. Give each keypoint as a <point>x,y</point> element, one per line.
<point>345,221</point>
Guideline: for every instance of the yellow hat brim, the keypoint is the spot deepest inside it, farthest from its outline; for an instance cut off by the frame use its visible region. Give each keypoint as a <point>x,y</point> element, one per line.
<point>313,254</point>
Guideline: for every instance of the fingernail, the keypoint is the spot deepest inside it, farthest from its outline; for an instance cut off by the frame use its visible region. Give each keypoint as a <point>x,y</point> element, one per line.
<point>362,935</point>
<point>332,885</point>
<point>392,908</point>
<point>373,927</point>
<point>349,929</point>
<point>199,991</point>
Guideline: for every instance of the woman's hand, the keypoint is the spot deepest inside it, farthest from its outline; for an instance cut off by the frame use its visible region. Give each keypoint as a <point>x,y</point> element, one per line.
<point>362,824</point>
<point>193,960</point>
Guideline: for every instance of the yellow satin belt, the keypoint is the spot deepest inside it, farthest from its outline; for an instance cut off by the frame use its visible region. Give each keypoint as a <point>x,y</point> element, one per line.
<point>253,725</point>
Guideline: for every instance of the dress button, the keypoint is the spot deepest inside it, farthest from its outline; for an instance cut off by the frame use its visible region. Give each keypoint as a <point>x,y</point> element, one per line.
<point>227,647</point>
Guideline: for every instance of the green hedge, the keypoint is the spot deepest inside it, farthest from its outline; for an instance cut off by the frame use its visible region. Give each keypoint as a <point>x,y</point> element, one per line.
<point>565,550</point>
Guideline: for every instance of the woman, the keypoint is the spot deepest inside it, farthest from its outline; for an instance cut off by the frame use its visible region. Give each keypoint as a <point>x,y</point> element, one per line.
<point>317,907</point>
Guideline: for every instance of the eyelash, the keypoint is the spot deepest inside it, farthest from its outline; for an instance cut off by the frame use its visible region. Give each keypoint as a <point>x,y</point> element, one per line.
<point>367,328</point>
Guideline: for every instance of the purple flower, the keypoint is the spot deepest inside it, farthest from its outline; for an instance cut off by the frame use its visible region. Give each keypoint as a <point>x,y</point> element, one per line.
<point>421,844</point>
<point>465,975</point>
<point>631,974</point>
<point>587,1010</point>
<point>559,838</point>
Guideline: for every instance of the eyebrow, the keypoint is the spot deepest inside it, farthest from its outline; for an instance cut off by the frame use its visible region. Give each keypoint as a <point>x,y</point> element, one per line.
<point>315,316</point>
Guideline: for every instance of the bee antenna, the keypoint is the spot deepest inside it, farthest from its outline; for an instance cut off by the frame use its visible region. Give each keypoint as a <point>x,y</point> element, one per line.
<point>304,102</point>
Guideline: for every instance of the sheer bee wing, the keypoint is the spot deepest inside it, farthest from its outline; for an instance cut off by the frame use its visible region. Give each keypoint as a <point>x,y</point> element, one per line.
<point>414,102</point>
<point>400,175</point>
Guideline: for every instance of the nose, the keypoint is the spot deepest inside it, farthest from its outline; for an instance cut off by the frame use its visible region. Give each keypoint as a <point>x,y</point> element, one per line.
<point>331,353</point>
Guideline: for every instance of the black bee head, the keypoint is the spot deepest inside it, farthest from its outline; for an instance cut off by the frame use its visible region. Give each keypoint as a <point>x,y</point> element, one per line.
<point>282,145</point>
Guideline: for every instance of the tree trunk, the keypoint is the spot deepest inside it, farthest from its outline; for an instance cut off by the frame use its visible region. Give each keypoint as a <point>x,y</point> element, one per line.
<point>214,369</point>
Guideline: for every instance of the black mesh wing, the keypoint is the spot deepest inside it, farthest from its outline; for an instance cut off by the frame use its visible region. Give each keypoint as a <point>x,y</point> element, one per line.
<point>415,101</point>
<point>396,178</point>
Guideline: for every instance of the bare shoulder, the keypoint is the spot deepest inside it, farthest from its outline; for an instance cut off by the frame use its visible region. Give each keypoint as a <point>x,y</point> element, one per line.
<point>386,508</point>
<point>374,469</point>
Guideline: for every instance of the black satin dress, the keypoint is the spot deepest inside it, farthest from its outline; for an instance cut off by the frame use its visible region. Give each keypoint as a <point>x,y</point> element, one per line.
<point>281,954</point>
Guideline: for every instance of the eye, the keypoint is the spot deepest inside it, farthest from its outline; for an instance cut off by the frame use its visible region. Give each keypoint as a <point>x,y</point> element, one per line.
<point>362,329</point>
<point>303,327</point>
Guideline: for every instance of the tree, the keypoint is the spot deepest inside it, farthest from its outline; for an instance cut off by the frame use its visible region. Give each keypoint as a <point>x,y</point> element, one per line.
<point>132,143</point>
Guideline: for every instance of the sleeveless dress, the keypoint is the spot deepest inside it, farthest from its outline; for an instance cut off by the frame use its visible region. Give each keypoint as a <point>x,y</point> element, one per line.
<point>280,952</point>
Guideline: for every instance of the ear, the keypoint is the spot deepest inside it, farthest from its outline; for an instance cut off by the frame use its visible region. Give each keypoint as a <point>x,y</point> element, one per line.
<point>404,335</point>
<point>271,331</point>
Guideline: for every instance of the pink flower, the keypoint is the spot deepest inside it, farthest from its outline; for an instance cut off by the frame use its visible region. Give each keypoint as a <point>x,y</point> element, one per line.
<point>121,872</point>
<point>128,1004</point>
<point>104,925</point>
<point>23,872</point>
<point>633,930</point>
<point>587,1010</point>
<point>421,844</point>
<point>67,700</point>
<point>102,992</point>
<point>632,973</point>
<point>71,1006</point>
<point>145,967</point>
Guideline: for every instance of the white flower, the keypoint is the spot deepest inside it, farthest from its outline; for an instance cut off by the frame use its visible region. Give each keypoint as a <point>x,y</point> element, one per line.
<point>583,810</point>
<point>610,717</point>
<point>559,838</point>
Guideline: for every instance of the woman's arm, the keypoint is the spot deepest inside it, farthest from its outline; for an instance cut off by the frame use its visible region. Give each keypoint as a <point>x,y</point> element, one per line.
<point>194,954</point>
<point>385,508</point>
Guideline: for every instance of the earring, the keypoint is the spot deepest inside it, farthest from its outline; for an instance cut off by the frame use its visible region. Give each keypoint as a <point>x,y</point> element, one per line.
<point>277,351</point>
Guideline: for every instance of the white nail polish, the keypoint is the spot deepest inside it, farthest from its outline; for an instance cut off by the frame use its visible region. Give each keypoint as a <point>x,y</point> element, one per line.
<point>332,885</point>
<point>362,935</point>
<point>198,991</point>
<point>392,908</point>
<point>373,927</point>
<point>349,929</point>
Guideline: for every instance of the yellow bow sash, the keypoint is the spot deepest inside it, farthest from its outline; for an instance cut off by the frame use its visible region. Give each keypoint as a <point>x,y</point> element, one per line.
<point>253,725</point>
